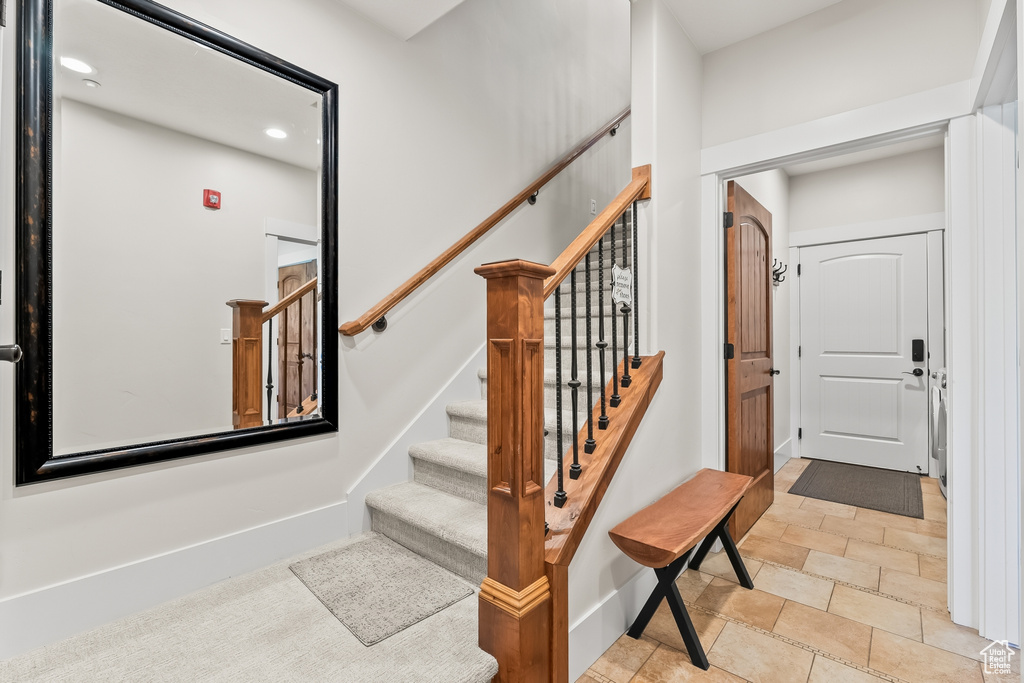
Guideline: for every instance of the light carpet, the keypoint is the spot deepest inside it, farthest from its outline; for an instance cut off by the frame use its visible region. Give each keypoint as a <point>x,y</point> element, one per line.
<point>378,588</point>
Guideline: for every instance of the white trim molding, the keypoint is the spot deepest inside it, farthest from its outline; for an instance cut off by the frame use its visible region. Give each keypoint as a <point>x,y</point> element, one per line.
<point>891,227</point>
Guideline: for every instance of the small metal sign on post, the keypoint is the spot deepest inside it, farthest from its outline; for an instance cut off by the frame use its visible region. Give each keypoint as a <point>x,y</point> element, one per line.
<point>622,285</point>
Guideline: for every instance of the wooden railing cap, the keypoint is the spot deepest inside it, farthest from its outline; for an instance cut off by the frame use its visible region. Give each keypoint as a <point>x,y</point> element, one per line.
<point>241,303</point>
<point>514,267</point>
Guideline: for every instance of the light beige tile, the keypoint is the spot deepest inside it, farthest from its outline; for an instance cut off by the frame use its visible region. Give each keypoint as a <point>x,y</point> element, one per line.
<point>876,611</point>
<point>798,516</point>
<point>914,588</point>
<point>759,658</point>
<point>794,585</point>
<point>919,543</point>
<point>692,583</point>
<point>664,629</point>
<point>753,607</point>
<point>774,551</point>
<point>842,569</point>
<point>921,526</point>
<point>826,670</point>
<point>870,553</point>
<point>827,507</point>
<point>797,465</point>
<point>815,540</point>
<point>934,507</point>
<point>930,486</point>
<point>831,633</point>
<point>787,500</point>
<point>942,633</point>
<point>768,528</point>
<point>853,528</point>
<point>668,665</point>
<point>586,678</point>
<point>624,658</point>
<point>718,564</point>
<point>917,662</point>
<point>932,568</point>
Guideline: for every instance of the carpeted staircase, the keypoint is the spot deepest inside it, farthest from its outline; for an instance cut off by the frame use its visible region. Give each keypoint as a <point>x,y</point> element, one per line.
<point>442,513</point>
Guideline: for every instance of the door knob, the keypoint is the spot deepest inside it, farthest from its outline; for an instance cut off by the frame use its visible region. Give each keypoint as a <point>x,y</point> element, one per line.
<point>916,373</point>
<point>773,371</point>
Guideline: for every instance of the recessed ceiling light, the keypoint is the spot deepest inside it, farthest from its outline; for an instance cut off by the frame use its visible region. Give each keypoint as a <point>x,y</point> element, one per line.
<point>89,83</point>
<point>276,133</point>
<point>76,65</point>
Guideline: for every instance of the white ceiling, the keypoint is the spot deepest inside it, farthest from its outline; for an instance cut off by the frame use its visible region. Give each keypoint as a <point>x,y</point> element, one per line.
<point>157,76</point>
<point>713,24</point>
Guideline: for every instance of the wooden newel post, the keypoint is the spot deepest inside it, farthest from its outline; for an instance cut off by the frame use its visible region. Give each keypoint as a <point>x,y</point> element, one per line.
<point>246,362</point>
<point>515,598</point>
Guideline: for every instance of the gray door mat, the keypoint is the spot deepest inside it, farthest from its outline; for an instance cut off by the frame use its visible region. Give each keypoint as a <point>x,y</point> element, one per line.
<point>898,493</point>
<point>377,588</point>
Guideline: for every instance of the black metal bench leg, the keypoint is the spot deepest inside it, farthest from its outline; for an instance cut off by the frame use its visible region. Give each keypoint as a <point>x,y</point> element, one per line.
<point>721,533</point>
<point>686,629</point>
<point>667,590</point>
<point>657,595</point>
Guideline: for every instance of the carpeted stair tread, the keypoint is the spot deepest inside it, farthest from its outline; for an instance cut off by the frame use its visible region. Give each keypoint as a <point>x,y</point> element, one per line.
<point>455,454</point>
<point>432,515</point>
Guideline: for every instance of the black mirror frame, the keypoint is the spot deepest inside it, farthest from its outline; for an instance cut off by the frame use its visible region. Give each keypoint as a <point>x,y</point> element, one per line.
<point>34,460</point>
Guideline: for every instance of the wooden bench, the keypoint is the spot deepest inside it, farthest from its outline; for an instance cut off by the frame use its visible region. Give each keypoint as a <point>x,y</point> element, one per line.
<point>664,534</point>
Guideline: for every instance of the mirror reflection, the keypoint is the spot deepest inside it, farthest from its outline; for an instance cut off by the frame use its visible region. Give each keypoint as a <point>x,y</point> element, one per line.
<point>183,179</point>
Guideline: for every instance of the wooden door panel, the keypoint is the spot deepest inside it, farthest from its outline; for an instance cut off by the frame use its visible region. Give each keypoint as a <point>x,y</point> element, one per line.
<point>749,408</point>
<point>297,344</point>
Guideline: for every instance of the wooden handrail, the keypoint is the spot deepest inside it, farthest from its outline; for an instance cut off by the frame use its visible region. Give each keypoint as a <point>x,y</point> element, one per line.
<point>638,188</point>
<point>354,327</point>
<point>289,300</point>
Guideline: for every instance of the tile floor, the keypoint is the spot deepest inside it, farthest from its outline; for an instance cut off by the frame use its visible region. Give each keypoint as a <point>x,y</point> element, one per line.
<point>841,594</point>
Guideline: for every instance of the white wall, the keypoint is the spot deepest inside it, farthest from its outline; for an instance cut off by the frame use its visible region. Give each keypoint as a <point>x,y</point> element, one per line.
<point>772,190</point>
<point>666,449</point>
<point>142,272</point>
<point>905,185</point>
<point>846,56</point>
<point>435,134</point>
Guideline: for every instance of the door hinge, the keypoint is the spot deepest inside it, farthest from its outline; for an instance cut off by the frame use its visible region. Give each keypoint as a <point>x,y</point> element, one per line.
<point>800,433</point>
<point>798,270</point>
<point>3,12</point>
<point>728,219</point>
<point>799,352</point>
<point>730,351</point>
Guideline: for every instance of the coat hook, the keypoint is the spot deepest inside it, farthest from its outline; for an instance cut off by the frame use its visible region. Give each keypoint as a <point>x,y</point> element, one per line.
<point>778,268</point>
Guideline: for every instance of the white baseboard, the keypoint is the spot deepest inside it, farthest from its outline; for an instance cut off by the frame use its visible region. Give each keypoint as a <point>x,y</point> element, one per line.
<point>394,466</point>
<point>51,614</point>
<point>595,632</point>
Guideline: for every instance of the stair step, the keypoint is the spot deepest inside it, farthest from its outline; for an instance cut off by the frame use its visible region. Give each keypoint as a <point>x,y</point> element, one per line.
<point>550,386</point>
<point>467,420</point>
<point>454,466</point>
<point>447,530</point>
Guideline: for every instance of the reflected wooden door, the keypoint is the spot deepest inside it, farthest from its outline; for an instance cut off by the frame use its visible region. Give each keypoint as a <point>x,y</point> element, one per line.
<point>296,339</point>
<point>749,437</point>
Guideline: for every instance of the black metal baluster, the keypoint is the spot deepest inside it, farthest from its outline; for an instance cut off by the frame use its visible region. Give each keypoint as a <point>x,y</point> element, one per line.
<point>636,297</point>
<point>301,356</point>
<point>560,493</point>
<point>602,422</point>
<point>626,379</point>
<point>574,384</point>
<point>590,444</point>
<point>270,367</point>
<point>615,399</point>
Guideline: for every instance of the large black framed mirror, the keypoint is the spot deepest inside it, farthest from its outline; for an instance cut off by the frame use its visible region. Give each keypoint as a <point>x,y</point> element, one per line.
<point>176,241</point>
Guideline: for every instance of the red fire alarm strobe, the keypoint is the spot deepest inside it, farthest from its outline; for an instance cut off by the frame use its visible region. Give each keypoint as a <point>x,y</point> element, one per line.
<point>211,199</point>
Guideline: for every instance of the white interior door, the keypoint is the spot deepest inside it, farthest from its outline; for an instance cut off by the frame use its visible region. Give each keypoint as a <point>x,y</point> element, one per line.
<point>862,305</point>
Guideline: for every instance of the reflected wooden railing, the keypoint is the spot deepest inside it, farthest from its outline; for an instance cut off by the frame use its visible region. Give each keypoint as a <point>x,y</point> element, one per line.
<point>524,598</point>
<point>247,321</point>
<point>377,312</point>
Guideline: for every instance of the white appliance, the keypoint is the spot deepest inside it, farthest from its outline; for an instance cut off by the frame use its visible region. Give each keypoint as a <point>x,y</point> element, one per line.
<point>938,425</point>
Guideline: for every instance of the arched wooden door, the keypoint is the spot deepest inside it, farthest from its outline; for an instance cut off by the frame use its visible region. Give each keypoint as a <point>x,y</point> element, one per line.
<point>749,438</point>
<point>296,340</point>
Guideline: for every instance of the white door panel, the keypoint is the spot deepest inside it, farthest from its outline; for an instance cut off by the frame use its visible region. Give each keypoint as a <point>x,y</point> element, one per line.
<point>861,306</point>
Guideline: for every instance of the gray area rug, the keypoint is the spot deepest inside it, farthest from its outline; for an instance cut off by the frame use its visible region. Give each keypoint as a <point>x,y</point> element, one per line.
<point>866,487</point>
<point>377,588</point>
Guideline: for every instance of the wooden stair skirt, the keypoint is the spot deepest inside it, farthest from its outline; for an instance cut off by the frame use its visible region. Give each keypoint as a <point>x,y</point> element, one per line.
<point>524,599</point>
